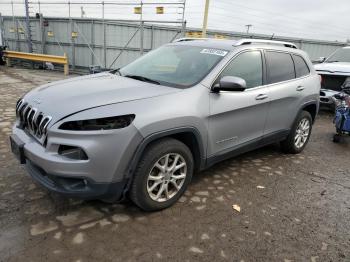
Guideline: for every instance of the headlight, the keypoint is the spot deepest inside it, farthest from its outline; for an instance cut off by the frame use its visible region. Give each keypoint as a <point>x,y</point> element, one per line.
<point>115,122</point>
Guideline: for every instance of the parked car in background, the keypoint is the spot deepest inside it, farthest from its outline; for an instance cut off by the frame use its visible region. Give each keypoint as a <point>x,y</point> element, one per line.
<point>334,70</point>
<point>141,131</point>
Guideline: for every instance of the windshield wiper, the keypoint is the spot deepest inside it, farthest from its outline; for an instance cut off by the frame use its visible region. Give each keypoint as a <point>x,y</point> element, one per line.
<point>142,78</point>
<point>334,61</point>
<point>115,71</point>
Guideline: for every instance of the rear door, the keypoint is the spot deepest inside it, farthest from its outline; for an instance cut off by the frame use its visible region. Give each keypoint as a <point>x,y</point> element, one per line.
<point>238,118</point>
<point>286,75</point>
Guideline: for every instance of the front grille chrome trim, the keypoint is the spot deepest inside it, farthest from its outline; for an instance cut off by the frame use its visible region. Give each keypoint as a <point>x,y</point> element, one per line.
<point>32,120</point>
<point>44,123</point>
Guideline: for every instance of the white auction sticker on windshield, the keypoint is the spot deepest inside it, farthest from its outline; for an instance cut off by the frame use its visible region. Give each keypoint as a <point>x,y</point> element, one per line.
<point>214,52</point>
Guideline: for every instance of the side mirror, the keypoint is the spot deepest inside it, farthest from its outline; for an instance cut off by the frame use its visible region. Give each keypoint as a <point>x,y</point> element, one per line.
<point>230,83</point>
<point>321,59</point>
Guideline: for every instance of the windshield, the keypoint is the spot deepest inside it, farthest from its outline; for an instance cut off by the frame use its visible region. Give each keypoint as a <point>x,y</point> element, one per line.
<point>341,55</point>
<point>174,65</point>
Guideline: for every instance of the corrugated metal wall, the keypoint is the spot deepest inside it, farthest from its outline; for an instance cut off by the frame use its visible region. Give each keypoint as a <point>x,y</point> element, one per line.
<point>93,47</point>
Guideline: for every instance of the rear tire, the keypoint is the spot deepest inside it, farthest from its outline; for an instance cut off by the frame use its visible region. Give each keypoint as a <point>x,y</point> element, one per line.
<point>162,175</point>
<point>299,135</point>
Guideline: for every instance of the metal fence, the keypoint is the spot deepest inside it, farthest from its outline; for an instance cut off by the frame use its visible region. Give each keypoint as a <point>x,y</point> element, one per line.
<point>97,40</point>
<point>88,41</point>
<point>113,43</point>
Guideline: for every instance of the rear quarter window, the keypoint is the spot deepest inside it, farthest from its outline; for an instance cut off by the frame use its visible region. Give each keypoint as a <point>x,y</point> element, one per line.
<point>301,68</point>
<point>280,67</point>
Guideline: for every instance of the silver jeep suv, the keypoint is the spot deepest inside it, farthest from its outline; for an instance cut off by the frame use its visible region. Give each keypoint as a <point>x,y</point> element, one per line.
<point>143,130</point>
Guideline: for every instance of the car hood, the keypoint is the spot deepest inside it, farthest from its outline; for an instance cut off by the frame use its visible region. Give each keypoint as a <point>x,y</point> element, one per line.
<point>66,97</point>
<point>336,67</point>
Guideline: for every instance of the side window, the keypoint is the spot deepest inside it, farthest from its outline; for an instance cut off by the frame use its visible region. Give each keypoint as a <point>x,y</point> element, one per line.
<point>280,67</point>
<point>248,66</point>
<point>301,68</point>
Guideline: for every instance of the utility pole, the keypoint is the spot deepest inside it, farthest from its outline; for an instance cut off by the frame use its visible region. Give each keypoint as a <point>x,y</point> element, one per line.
<point>82,12</point>
<point>141,29</point>
<point>183,20</point>
<point>29,33</point>
<point>104,36</point>
<point>205,19</point>
<point>248,27</point>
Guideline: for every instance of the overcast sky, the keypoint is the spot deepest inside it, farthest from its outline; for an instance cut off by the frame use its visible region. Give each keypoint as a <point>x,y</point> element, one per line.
<point>322,19</point>
<point>315,19</point>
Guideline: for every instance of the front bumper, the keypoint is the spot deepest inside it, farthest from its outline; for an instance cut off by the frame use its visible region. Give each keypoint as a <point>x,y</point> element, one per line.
<point>83,188</point>
<point>103,175</point>
<point>327,98</point>
<point>331,85</point>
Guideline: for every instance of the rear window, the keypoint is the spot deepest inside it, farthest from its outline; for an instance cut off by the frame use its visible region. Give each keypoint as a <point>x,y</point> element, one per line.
<point>301,68</point>
<point>280,67</point>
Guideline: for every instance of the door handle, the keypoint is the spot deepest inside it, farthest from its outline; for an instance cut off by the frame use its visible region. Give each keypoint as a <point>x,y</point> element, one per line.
<point>261,97</point>
<point>300,88</point>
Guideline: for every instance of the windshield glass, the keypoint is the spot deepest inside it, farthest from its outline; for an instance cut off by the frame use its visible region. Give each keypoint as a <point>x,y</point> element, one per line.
<point>174,65</point>
<point>341,55</point>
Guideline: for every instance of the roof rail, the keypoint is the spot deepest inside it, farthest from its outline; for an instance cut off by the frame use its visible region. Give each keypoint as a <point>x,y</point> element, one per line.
<point>262,41</point>
<point>183,39</point>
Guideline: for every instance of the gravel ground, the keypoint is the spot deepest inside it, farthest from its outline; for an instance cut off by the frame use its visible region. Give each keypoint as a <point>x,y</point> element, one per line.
<point>292,207</point>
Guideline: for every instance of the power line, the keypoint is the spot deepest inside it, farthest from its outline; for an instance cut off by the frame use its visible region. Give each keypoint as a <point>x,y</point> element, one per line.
<point>294,22</point>
<point>343,31</point>
<point>298,26</point>
<point>275,13</point>
<point>273,26</point>
<point>249,20</point>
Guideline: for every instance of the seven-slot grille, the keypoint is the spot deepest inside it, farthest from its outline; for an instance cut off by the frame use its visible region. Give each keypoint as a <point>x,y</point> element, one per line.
<point>32,120</point>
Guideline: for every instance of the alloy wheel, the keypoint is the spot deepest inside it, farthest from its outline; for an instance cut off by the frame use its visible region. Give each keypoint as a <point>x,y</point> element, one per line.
<point>166,177</point>
<point>302,133</point>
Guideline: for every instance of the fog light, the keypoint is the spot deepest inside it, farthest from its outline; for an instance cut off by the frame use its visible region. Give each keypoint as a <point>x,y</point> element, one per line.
<point>72,152</point>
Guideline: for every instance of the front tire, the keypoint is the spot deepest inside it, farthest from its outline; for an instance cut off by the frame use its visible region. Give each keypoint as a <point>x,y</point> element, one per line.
<point>162,175</point>
<point>299,135</point>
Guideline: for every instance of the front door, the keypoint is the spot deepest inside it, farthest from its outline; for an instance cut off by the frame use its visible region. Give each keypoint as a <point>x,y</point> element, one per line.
<point>238,118</point>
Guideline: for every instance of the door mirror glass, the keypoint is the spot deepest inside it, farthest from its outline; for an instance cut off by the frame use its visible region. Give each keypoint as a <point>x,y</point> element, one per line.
<point>230,83</point>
